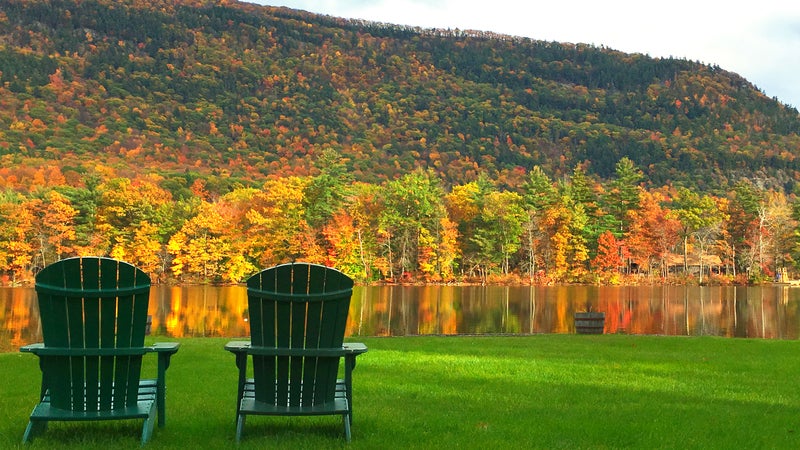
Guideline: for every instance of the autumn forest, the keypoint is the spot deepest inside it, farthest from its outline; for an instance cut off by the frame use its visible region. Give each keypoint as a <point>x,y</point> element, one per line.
<point>203,140</point>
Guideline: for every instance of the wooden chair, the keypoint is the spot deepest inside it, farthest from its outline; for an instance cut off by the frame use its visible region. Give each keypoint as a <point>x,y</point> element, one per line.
<point>93,314</point>
<point>298,314</point>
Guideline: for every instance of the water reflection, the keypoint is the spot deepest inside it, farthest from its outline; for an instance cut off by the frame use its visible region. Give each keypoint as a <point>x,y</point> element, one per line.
<point>19,318</point>
<point>199,311</point>
<point>765,312</point>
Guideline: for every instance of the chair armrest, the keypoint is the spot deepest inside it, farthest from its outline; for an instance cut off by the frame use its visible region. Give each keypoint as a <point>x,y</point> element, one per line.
<point>169,348</point>
<point>354,348</point>
<point>237,346</point>
<point>349,348</point>
<point>164,347</point>
<point>41,350</point>
<point>32,348</point>
<point>164,350</point>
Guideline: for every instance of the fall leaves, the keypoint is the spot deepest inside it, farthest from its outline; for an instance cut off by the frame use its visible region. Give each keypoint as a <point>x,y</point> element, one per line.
<point>577,229</point>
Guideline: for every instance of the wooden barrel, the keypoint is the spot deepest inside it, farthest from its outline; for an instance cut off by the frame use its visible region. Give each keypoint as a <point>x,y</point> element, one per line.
<point>590,322</point>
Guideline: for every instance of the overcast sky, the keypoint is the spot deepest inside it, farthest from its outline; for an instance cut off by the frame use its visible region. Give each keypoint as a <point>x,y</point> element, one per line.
<point>758,40</point>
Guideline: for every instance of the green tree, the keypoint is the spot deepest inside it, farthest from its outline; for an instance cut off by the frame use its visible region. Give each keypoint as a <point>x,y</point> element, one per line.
<point>413,206</point>
<point>743,230</point>
<point>584,199</point>
<point>84,200</point>
<point>365,208</point>
<point>327,192</point>
<point>622,195</point>
<point>701,219</point>
<point>539,191</point>
<point>539,196</point>
<point>497,237</point>
<point>464,204</point>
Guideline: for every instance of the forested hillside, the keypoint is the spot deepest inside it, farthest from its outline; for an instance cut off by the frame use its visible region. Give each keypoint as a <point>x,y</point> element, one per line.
<point>243,91</point>
<point>250,135</point>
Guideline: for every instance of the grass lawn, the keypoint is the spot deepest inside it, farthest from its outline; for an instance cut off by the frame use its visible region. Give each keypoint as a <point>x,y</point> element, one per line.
<point>543,391</point>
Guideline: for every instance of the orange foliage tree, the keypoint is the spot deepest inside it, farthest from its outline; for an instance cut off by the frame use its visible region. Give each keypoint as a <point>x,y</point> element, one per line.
<point>609,252</point>
<point>653,232</point>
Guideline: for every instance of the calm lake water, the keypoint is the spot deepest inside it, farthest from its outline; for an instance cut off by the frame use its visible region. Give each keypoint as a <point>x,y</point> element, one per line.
<point>759,312</point>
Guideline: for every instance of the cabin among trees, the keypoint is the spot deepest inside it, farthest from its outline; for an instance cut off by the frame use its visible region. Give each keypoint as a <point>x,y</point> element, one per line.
<point>711,264</point>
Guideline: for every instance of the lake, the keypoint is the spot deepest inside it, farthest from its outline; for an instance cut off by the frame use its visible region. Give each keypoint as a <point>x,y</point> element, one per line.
<point>758,312</point>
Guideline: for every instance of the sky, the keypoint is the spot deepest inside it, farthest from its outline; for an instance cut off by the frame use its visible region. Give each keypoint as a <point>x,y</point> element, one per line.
<point>758,40</point>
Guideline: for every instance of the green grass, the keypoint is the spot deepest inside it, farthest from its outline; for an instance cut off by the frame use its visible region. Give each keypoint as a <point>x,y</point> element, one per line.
<point>545,391</point>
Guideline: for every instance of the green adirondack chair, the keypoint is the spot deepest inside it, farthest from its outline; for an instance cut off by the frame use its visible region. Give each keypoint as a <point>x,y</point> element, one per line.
<point>298,314</point>
<point>93,314</point>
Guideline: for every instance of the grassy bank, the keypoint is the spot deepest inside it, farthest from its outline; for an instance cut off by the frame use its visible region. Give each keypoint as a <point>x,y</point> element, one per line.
<point>546,391</point>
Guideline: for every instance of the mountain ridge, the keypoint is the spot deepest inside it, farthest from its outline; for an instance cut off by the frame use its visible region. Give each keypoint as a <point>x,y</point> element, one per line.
<point>240,93</point>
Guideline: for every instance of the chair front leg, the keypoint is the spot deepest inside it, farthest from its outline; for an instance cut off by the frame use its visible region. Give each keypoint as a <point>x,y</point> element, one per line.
<point>349,365</point>
<point>161,388</point>
<point>241,364</point>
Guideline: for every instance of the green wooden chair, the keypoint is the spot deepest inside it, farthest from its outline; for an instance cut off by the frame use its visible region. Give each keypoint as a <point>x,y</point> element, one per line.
<point>93,315</point>
<point>298,314</point>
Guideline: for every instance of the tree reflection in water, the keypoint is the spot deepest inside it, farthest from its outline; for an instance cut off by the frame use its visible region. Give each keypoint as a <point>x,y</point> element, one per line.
<point>177,311</point>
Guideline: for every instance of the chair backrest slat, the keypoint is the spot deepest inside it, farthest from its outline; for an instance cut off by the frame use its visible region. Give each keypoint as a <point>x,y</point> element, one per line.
<point>91,314</point>
<point>299,306</point>
<point>75,336</point>
<point>108,332</point>
<point>89,303</point>
<point>282,340</point>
